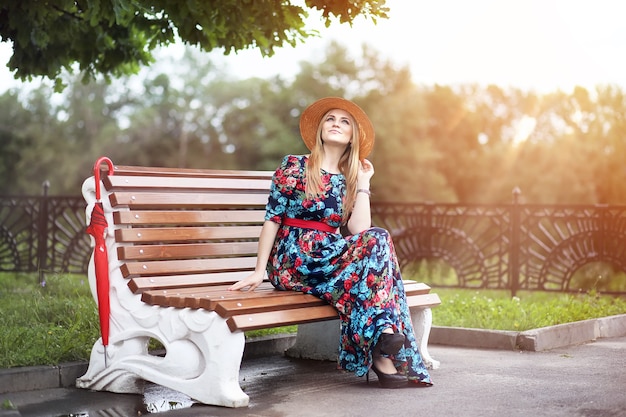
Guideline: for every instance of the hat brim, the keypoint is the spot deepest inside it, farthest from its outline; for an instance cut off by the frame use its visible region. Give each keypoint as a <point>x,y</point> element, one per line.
<point>310,119</point>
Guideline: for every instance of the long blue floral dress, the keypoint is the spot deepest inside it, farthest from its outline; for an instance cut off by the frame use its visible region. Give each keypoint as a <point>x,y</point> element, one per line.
<point>359,274</point>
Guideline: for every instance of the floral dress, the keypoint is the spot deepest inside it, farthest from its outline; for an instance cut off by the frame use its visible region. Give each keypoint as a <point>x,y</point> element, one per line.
<point>358,274</point>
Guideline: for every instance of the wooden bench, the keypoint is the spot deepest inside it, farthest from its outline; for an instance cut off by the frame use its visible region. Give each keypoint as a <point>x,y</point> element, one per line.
<point>177,238</point>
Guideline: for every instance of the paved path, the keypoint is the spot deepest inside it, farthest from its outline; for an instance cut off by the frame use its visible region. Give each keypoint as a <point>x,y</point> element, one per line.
<point>586,380</point>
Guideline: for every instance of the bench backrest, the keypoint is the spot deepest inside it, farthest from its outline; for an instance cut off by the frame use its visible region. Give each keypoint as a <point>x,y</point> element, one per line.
<point>178,228</point>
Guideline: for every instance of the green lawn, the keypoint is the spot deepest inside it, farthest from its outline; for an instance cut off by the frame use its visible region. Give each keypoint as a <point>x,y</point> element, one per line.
<point>58,322</point>
<point>497,310</point>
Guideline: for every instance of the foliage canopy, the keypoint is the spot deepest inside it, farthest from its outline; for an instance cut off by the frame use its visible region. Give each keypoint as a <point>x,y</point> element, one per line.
<point>115,37</point>
<point>434,143</point>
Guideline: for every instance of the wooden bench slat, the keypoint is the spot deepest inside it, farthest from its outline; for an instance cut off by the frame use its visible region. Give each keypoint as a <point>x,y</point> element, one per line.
<point>185,234</point>
<point>219,290</point>
<point>209,297</point>
<point>210,303</point>
<point>189,266</point>
<point>200,297</point>
<point>423,300</point>
<point>186,172</point>
<point>155,200</point>
<point>255,321</point>
<point>171,298</point>
<point>189,217</point>
<point>186,251</point>
<point>141,284</point>
<point>167,184</point>
<point>414,288</point>
<point>276,318</point>
<point>287,300</point>
<point>264,298</point>
<point>206,299</point>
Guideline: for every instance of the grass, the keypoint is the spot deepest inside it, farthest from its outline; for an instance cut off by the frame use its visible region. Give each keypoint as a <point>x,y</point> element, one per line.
<point>497,310</point>
<point>58,322</point>
<point>45,325</point>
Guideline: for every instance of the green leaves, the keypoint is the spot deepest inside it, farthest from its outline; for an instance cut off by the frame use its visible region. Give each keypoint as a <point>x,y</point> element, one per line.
<point>116,37</point>
<point>348,10</point>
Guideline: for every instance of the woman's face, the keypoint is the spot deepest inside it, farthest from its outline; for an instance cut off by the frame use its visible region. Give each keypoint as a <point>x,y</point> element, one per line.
<point>337,128</point>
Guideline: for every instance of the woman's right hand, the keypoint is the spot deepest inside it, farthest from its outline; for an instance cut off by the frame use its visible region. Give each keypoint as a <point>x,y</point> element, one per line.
<point>266,241</point>
<point>253,280</point>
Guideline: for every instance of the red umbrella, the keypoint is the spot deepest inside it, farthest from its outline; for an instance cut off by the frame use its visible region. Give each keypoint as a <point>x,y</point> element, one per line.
<point>97,228</point>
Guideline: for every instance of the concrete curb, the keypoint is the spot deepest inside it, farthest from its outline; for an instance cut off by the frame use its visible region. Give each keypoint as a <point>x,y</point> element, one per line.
<point>30,378</point>
<point>473,338</point>
<point>546,338</point>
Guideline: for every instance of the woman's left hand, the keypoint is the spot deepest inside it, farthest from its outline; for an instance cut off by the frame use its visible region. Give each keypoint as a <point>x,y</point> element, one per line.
<point>366,171</point>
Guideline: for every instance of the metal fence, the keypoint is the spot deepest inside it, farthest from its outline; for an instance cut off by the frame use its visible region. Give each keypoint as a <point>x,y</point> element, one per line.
<point>509,246</point>
<point>43,234</point>
<point>515,246</point>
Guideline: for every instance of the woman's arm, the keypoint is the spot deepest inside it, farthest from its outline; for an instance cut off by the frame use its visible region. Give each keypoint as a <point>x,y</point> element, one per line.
<point>361,217</point>
<point>266,242</point>
<point>274,212</point>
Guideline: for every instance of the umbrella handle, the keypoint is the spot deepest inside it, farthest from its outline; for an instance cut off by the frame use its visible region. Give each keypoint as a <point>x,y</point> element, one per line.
<point>96,172</point>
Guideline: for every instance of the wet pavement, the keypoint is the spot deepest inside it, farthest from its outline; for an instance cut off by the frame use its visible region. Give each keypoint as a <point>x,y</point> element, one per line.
<point>585,380</point>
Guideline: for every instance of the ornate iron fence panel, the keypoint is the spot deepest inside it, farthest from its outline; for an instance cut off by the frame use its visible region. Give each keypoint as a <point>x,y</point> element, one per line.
<point>556,241</point>
<point>508,246</point>
<point>474,240</point>
<point>19,223</point>
<point>43,234</point>
<point>68,247</point>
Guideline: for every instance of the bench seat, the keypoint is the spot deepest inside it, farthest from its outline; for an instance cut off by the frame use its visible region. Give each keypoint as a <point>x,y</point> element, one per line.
<point>266,307</point>
<point>176,240</point>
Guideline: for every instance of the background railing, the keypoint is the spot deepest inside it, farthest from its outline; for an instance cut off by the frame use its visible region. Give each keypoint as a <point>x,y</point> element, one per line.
<point>508,246</point>
<point>515,246</point>
<point>43,234</point>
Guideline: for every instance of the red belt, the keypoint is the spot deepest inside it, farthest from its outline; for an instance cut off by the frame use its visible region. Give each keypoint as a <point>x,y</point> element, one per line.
<point>309,224</point>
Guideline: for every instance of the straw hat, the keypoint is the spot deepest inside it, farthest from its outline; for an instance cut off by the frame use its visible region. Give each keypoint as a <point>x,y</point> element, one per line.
<point>310,120</point>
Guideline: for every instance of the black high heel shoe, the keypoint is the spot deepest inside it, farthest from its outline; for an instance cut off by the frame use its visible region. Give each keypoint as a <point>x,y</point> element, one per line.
<point>396,380</point>
<point>390,343</point>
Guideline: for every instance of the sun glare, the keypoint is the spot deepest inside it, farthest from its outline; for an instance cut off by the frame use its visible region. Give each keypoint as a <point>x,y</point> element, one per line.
<point>524,128</point>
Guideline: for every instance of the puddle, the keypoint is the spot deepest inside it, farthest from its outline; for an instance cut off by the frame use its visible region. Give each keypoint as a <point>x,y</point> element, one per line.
<point>157,399</point>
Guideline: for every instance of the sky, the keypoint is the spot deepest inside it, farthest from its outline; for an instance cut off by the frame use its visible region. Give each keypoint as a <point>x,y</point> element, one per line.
<point>540,45</point>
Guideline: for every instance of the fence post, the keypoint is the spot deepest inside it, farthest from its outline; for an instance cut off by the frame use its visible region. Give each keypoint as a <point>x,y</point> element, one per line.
<point>514,245</point>
<point>42,246</point>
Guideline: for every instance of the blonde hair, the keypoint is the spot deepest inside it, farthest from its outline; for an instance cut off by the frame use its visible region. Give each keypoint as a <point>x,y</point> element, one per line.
<point>348,166</point>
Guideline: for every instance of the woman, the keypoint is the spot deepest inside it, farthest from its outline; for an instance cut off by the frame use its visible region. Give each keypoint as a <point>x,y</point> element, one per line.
<point>301,248</point>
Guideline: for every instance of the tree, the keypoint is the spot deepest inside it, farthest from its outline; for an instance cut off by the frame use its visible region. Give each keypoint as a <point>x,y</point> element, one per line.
<point>115,37</point>
<point>453,130</point>
<point>461,144</point>
<point>12,139</point>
